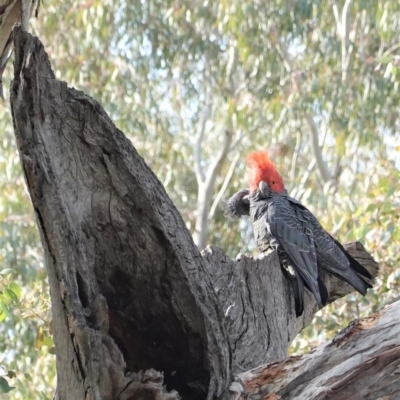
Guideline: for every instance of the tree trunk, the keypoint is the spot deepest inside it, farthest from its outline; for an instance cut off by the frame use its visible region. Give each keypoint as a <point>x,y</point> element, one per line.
<point>138,312</point>
<point>128,286</point>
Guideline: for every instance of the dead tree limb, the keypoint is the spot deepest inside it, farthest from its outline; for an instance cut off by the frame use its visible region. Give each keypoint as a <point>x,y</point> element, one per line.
<point>259,306</point>
<point>361,362</point>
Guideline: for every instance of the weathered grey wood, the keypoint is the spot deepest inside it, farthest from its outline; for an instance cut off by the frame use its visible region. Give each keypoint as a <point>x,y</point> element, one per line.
<point>128,286</point>
<point>361,362</point>
<point>259,305</point>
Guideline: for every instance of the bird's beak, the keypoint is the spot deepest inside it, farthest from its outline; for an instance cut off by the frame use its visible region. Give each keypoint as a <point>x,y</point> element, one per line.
<point>262,186</point>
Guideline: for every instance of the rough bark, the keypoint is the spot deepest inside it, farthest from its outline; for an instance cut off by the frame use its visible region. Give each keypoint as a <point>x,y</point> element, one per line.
<point>361,362</point>
<point>258,303</point>
<point>131,294</point>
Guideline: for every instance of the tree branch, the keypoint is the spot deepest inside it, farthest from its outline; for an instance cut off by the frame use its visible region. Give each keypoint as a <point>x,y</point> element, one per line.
<point>205,191</point>
<point>343,31</point>
<point>224,186</point>
<point>322,168</point>
<point>336,13</point>
<point>198,168</point>
<point>295,156</point>
<point>345,39</point>
<point>356,364</point>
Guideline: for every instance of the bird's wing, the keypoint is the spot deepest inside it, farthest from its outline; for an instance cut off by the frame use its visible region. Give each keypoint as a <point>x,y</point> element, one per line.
<point>331,254</point>
<point>323,241</point>
<point>295,236</point>
<point>354,264</point>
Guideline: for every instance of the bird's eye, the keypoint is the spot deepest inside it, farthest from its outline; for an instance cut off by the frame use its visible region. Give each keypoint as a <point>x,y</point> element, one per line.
<point>273,182</point>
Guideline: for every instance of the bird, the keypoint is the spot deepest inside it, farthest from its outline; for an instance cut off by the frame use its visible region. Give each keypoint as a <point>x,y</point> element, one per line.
<point>282,223</point>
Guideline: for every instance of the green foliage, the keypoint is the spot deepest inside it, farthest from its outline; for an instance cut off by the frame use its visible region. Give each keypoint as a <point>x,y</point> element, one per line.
<point>262,70</point>
<point>24,299</point>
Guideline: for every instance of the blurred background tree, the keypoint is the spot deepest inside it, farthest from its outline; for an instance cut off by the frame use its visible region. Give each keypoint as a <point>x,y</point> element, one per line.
<point>196,86</point>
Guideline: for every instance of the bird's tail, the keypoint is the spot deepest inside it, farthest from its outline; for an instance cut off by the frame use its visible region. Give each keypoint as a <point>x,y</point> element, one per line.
<point>352,279</point>
<point>354,264</point>
<point>346,274</point>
